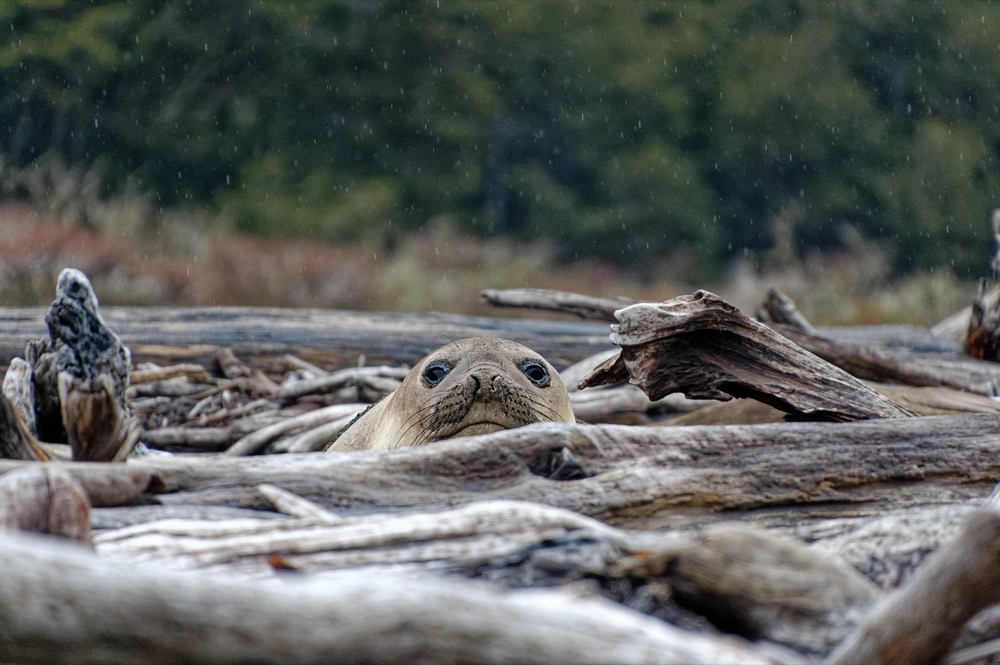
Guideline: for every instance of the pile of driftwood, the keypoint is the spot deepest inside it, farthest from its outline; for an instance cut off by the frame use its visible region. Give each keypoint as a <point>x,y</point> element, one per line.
<point>740,490</point>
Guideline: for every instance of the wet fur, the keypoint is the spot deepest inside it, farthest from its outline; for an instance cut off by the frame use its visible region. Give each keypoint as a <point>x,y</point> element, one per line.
<point>485,391</point>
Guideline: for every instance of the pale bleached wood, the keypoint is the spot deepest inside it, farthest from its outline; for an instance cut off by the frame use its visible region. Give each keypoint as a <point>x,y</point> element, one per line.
<point>887,544</point>
<point>479,529</point>
<point>296,506</point>
<point>918,624</point>
<point>255,441</point>
<point>873,364</point>
<point>150,373</point>
<point>632,475</point>
<point>706,348</point>
<point>20,393</point>
<point>758,583</point>
<point>317,438</point>
<point>352,376</point>
<point>201,438</point>
<point>110,613</point>
<point>925,401</point>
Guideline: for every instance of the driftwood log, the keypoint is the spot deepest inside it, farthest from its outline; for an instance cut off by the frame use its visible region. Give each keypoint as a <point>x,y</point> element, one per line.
<point>113,614</point>
<point>263,337</point>
<point>704,347</point>
<point>780,542</point>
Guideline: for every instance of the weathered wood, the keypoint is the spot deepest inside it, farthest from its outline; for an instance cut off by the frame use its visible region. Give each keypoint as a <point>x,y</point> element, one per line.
<point>252,443</point>
<point>875,365</point>
<point>294,505</point>
<point>765,586</point>
<point>105,485</point>
<point>778,308</point>
<point>879,494</point>
<point>17,440</point>
<point>480,530</point>
<point>19,389</point>
<point>110,613</point>
<point>923,401</point>
<point>262,337</point>
<point>755,583</point>
<point>880,355</point>
<point>585,307</point>
<point>918,624</point>
<point>41,499</point>
<point>77,378</point>
<point>641,477</point>
<point>706,348</point>
<point>98,428</point>
<point>382,379</point>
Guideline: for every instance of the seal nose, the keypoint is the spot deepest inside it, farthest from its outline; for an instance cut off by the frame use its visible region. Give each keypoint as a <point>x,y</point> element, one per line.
<point>487,387</point>
<point>499,388</point>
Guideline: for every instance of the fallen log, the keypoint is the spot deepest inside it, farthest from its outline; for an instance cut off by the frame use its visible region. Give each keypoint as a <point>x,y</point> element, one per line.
<point>262,337</point>
<point>751,582</point>
<point>585,307</point>
<point>644,477</point>
<point>108,613</point>
<point>706,348</point>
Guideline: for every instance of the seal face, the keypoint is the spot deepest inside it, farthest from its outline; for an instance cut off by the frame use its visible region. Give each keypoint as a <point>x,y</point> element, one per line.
<point>473,386</point>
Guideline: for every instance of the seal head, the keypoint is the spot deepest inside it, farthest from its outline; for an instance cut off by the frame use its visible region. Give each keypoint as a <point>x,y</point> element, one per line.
<point>473,386</point>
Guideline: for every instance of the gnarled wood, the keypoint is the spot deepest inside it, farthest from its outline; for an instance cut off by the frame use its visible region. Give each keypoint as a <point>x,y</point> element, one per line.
<point>706,348</point>
<point>79,376</point>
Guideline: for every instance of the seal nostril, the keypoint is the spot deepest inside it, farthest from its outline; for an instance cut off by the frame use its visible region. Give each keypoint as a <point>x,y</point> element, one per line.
<point>476,385</point>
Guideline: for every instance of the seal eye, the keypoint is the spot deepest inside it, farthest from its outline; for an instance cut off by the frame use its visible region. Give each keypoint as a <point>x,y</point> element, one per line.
<point>536,372</point>
<point>435,372</point>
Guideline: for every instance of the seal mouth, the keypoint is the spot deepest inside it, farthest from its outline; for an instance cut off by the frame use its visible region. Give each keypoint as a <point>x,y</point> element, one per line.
<point>485,427</point>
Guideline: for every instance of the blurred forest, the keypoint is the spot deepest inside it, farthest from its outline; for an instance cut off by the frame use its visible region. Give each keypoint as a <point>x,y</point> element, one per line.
<point>632,133</point>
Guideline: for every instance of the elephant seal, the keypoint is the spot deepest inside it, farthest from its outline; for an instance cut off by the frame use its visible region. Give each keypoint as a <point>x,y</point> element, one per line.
<point>472,386</point>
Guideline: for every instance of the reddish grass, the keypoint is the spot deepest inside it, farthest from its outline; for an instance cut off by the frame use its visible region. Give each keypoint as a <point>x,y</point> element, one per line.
<point>180,263</point>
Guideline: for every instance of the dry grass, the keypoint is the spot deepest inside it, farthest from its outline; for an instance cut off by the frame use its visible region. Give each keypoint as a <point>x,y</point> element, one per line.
<point>136,257</point>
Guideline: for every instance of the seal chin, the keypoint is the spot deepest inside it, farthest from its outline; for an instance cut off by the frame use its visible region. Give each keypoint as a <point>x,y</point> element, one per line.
<point>479,428</point>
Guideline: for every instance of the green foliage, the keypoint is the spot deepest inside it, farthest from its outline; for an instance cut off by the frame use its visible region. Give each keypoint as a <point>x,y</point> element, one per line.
<point>632,131</point>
